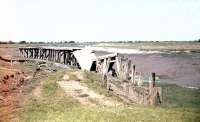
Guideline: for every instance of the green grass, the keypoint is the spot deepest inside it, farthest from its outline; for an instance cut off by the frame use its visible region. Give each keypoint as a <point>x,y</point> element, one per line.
<point>54,105</point>
<point>72,76</point>
<point>177,96</point>
<point>91,80</point>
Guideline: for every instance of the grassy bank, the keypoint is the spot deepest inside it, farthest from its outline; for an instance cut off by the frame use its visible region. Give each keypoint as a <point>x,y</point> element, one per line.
<point>176,96</point>
<point>54,105</point>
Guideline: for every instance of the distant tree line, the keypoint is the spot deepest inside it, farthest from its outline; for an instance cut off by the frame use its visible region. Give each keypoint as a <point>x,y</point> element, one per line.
<point>7,42</point>
<point>40,42</point>
<point>197,40</point>
<point>52,42</point>
<point>60,42</point>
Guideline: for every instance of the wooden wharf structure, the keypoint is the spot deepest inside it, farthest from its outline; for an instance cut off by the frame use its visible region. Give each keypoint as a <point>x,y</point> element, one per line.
<point>119,74</point>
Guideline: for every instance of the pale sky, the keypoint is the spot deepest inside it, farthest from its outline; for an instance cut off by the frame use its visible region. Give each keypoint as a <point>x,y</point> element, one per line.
<point>99,20</point>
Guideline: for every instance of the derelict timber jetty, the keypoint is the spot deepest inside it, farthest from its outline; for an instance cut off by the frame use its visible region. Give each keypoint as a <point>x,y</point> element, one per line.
<point>119,74</point>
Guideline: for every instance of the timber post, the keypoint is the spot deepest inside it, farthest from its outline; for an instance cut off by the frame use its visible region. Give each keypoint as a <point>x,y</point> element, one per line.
<point>133,75</point>
<point>152,90</point>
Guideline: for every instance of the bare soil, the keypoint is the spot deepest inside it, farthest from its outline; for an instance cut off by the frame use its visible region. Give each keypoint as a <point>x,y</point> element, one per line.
<point>14,80</point>
<point>83,94</point>
<point>11,84</point>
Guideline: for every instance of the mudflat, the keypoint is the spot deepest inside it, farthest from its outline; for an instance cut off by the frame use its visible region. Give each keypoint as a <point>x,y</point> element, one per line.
<point>178,68</point>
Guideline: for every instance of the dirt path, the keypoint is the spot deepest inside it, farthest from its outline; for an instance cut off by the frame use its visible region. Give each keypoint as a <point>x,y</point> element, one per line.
<point>85,95</point>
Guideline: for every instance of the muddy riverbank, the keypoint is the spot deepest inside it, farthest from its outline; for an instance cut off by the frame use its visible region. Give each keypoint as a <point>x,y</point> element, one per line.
<point>181,69</point>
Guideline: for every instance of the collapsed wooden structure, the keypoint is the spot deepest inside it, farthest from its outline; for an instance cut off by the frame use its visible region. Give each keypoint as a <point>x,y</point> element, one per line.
<point>119,74</point>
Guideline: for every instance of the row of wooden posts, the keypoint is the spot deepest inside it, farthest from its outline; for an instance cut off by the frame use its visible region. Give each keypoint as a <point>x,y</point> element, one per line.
<point>114,65</point>
<point>119,67</point>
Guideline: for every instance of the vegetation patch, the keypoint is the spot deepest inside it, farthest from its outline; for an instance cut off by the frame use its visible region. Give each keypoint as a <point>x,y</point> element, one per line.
<point>177,96</point>
<point>92,79</point>
<point>72,75</point>
<point>54,105</point>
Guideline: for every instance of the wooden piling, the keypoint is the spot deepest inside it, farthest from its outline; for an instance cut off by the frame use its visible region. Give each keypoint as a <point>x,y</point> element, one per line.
<point>153,79</point>
<point>140,82</point>
<point>119,66</point>
<point>127,69</point>
<point>133,75</point>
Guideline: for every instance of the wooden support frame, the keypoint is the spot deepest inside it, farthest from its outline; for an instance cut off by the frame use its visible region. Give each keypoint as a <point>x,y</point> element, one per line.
<point>63,56</point>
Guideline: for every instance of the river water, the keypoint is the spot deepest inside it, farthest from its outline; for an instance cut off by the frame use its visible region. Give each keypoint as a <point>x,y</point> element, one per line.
<point>182,69</point>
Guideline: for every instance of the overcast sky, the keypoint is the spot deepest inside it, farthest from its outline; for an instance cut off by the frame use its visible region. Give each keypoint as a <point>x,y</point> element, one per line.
<point>99,20</point>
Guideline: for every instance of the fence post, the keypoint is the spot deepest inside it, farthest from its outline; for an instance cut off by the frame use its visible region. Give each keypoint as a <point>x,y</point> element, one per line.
<point>139,83</point>
<point>119,66</point>
<point>133,75</point>
<point>152,91</point>
<point>126,70</point>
